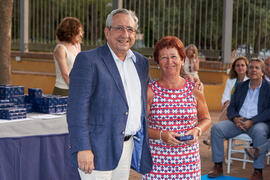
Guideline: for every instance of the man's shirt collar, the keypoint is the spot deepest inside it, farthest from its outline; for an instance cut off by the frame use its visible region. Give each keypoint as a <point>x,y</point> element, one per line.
<point>130,54</point>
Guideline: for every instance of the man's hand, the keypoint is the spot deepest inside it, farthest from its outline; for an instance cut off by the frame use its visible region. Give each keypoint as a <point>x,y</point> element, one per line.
<point>246,124</point>
<point>86,161</point>
<point>238,122</point>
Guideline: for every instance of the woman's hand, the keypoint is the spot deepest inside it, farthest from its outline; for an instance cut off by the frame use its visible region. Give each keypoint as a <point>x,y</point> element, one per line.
<point>195,132</point>
<point>169,138</point>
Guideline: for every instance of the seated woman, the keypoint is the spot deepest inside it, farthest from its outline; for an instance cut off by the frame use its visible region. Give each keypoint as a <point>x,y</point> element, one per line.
<point>176,108</point>
<point>191,65</point>
<point>69,35</point>
<point>237,74</point>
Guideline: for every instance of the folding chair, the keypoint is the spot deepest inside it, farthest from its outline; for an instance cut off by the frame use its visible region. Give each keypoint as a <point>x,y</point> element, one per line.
<point>233,145</point>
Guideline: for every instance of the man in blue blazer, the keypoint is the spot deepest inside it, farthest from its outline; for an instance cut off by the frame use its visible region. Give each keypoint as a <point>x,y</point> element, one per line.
<point>107,105</point>
<point>248,112</point>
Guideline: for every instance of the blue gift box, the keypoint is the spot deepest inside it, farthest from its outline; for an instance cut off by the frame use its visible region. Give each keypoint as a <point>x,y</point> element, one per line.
<point>18,90</point>
<point>47,109</point>
<point>12,113</point>
<point>62,100</point>
<point>20,99</point>
<point>50,100</point>
<point>6,91</point>
<point>4,101</point>
<point>6,105</point>
<point>35,92</point>
<point>29,108</point>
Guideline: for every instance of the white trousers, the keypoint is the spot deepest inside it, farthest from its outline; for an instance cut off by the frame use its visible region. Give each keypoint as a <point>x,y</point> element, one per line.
<point>122,170</point>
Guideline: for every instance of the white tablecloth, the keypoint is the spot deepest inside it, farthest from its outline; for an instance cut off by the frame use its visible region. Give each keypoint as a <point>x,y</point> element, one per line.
<point>34,125</point>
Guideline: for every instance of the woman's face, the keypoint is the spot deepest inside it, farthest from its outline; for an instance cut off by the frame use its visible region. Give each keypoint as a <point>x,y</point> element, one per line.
<point>78,37</point>
<point>240,67</point>
<point>190,52</point>
<point>170,61</point>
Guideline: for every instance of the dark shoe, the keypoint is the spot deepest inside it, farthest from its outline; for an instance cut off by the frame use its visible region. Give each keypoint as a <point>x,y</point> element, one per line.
<point>257,175</point>
<point>252,153</point>
<point>216,171</point>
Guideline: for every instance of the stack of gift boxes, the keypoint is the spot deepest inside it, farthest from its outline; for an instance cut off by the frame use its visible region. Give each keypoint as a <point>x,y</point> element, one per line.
<point>14,104</point>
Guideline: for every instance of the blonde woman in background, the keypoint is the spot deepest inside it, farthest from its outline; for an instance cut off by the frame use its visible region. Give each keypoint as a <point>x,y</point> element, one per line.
<point>69,35</point>
<point>192,63</point>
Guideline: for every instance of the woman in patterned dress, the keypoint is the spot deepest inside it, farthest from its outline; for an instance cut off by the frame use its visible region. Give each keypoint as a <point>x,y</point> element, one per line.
<point>176,107</point>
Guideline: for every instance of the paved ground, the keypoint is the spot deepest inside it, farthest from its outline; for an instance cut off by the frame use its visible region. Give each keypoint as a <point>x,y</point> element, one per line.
<point>206,161</point>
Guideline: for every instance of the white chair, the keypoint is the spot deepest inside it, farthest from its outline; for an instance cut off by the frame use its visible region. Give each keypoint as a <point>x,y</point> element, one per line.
<point>231,149</point>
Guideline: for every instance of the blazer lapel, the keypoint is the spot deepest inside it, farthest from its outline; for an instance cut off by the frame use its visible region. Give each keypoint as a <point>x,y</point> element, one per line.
<point>112,68</point>
<point>262,96</point>
<point>139,68</point>
<point>139,71</point>
<point>244,94</point>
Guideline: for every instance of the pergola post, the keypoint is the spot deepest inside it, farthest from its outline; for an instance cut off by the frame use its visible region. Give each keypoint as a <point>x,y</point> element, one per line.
<point>117,4</point>
<point>24,25</point>
<point>227,31</point>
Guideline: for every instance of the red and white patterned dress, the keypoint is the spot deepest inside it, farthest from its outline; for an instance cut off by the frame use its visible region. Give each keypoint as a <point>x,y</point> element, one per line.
<point>173,110</point>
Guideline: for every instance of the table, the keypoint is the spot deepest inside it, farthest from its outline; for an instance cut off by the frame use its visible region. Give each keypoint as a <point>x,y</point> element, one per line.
<point>36,148</point>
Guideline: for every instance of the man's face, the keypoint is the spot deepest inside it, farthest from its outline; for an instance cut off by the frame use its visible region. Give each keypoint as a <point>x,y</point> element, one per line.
<point>255,71</point>
<point>121,35</point>
<point>267,67</point>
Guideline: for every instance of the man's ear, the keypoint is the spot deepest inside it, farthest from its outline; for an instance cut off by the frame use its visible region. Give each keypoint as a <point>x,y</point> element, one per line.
<point>106,31</point>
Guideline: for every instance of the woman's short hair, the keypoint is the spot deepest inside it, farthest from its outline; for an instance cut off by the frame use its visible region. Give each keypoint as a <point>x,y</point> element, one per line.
<point>169,42</point>
<point>121,11</point>
<point>195,49</point>
<point>233,73</point>
<point>68,28</point>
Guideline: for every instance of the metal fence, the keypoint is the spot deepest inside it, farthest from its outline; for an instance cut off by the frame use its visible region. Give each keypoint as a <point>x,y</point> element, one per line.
<point>194,21</point>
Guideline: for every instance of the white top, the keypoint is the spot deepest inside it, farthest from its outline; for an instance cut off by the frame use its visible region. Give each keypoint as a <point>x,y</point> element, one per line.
<point>189,68</point>
<point>228,89</point>
<point>249,108</point>
<point>60,82</point>
<point>132,87</point>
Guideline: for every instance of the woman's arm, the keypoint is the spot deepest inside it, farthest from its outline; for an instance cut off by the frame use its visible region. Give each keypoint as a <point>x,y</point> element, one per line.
<point>196,64</point>
<point>61,58</point>
<point>204,119</point>
<point>226,96</point>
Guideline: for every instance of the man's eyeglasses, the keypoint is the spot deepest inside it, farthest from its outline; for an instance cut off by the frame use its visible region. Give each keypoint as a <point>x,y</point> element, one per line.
<point>123,28</point>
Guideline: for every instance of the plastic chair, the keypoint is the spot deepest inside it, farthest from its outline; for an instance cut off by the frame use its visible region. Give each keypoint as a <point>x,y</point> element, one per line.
<point>231,149</point>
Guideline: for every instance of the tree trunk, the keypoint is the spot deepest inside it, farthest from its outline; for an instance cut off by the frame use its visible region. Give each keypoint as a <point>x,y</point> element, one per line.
<point>5,40</point>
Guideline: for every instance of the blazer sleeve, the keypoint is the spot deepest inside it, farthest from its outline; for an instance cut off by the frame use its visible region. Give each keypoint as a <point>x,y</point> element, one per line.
<point>264,106</point>
<point>262,117</point>
<point>81,88</point>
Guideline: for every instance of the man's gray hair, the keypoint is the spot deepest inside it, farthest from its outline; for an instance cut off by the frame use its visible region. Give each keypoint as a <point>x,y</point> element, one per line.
<point>121,11</point>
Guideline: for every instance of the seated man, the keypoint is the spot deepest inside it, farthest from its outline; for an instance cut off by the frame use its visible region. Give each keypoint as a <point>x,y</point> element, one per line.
<point>267,69</point>
<point>248,112</point>
<point>262,149</point>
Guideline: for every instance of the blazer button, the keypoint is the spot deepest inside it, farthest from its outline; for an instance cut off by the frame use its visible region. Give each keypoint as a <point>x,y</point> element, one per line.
<point>126,113</point>
<point>123,132</point>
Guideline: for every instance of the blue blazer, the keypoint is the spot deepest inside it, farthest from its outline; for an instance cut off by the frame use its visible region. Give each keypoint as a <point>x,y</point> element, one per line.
<point>98,110</point>
<point>239,96</point>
